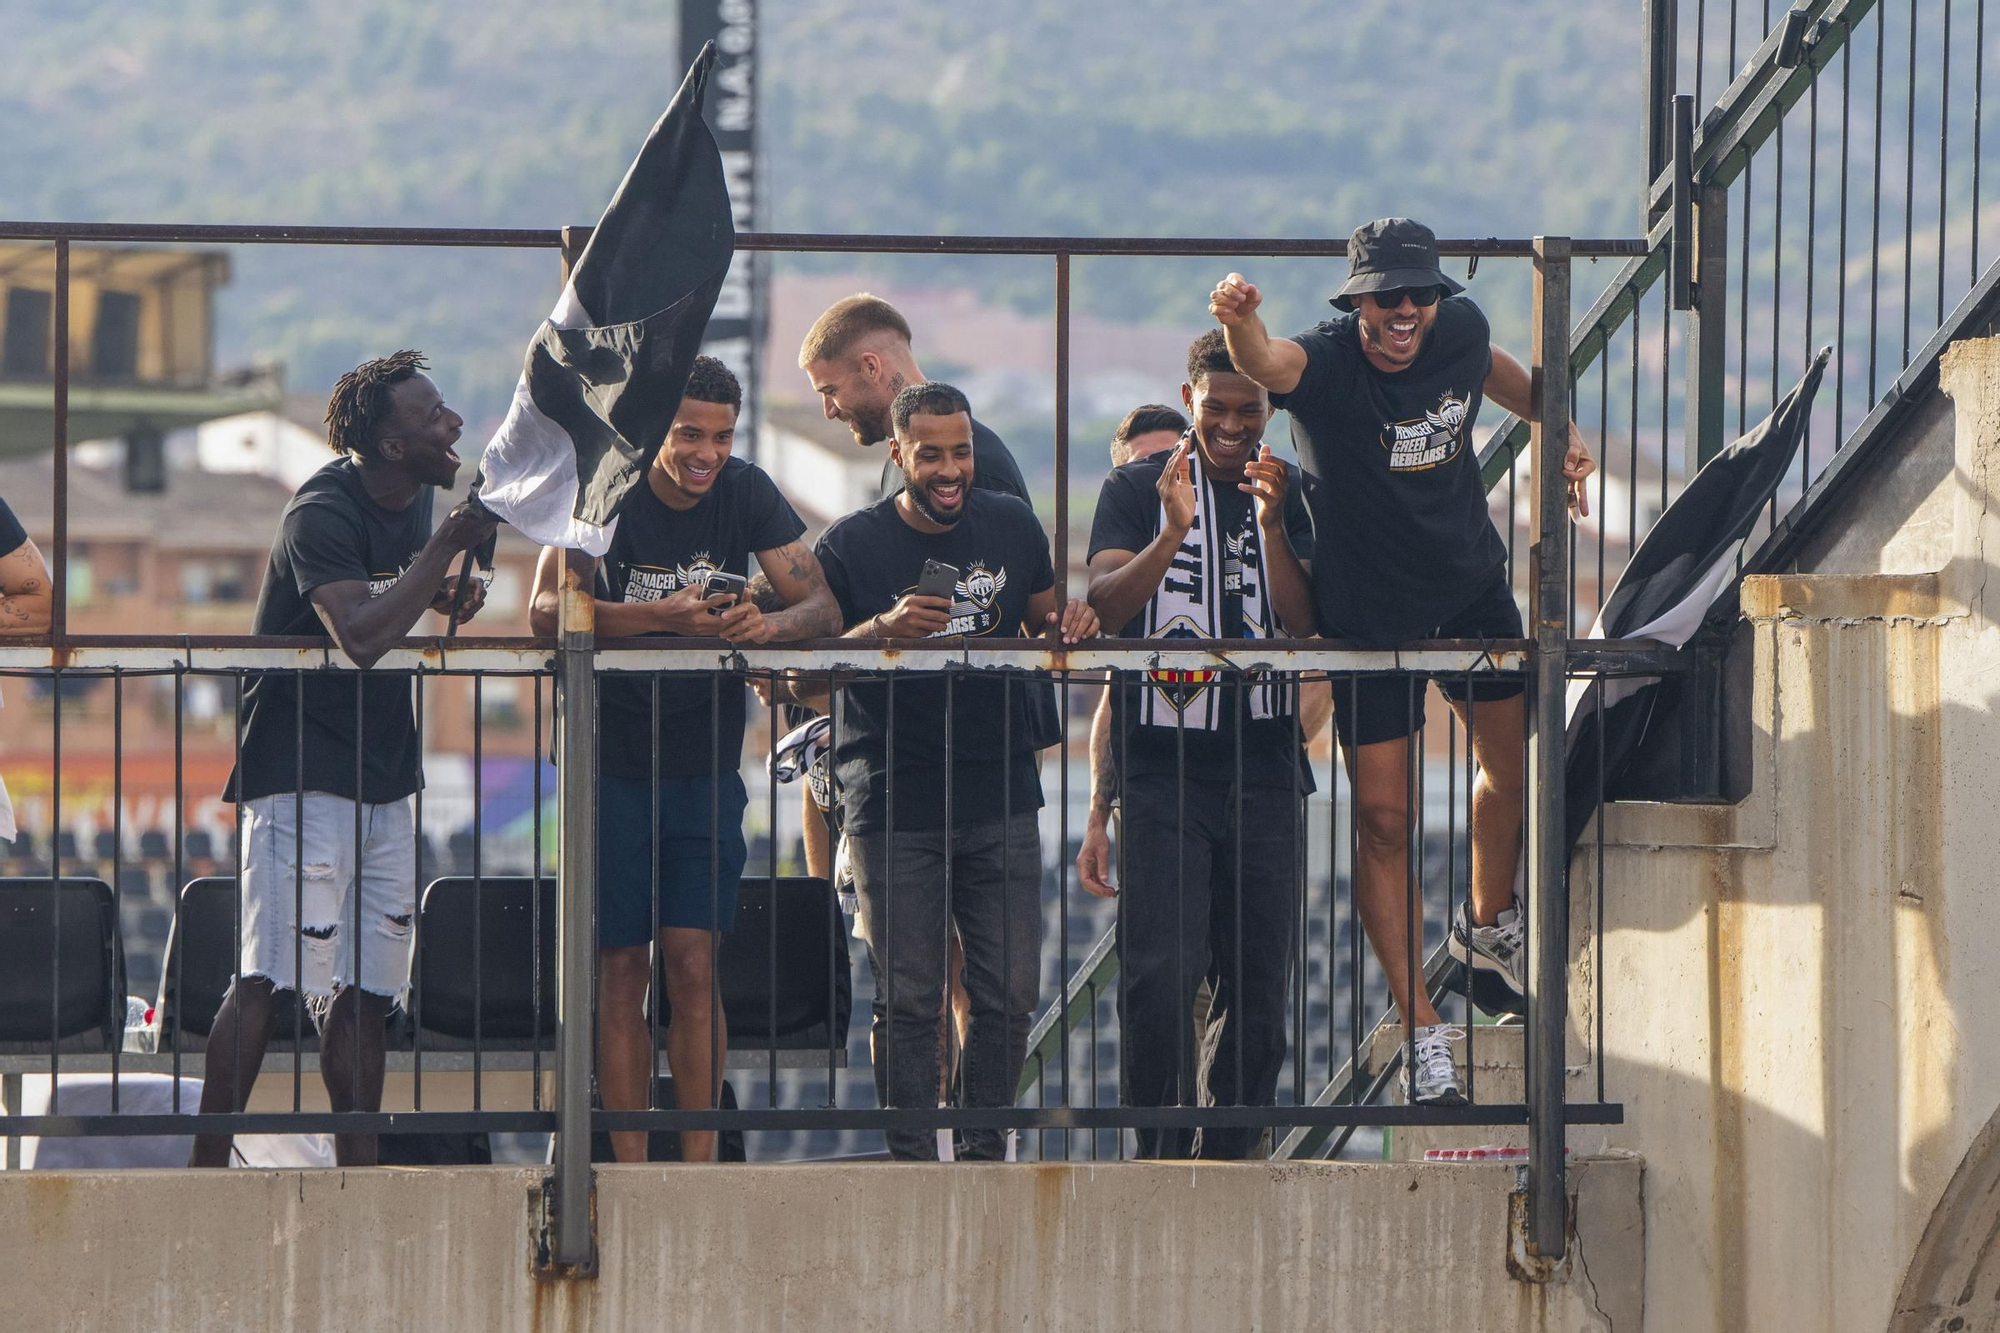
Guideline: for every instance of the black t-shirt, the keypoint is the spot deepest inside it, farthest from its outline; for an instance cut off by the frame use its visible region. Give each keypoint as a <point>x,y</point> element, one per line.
<point>872,558</point>
<point>657,551</point>
<point>1404,538</point>
<point>1128,518</point>
<point>12,535</point>
<point>993,468</point>
<point>331,532</point>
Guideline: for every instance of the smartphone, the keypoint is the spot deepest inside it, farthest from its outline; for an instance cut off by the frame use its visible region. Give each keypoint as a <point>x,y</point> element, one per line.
<point>938,580</point>
<point>723,584</point>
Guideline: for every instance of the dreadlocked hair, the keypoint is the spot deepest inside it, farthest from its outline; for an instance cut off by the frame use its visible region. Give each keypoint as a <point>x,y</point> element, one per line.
<point>363,399</point>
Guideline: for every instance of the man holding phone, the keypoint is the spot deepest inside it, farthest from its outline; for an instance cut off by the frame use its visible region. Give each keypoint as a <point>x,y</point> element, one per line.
<point>678,566</point>
<point>944,830</point>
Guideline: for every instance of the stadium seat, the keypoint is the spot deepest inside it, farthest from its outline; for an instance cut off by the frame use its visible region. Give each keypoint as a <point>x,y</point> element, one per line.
<point>62,969</point>
<point>199,965</point>
<point>474,973</point>
<point>153,845</point>
<point>785,1007</point>
<point>198,845</point>
<point>104,845</point>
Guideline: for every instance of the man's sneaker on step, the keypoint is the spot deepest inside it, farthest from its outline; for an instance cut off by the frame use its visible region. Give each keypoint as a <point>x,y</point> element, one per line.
<point>1496,948</point>
<point>1432,1080</point>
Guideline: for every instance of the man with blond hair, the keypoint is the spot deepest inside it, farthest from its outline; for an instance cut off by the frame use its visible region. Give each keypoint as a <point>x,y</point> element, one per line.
<point>857,355</point>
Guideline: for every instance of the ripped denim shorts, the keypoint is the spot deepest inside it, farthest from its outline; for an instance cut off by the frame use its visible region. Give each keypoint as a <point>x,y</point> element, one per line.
<point>321,901</point>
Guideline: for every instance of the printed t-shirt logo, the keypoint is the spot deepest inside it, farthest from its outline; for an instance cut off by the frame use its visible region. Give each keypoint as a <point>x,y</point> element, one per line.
<point>1180,687</point>
<point>975,607</point>
<point>381,583</point>
<point>649,583</point>
<point>1428,440</point>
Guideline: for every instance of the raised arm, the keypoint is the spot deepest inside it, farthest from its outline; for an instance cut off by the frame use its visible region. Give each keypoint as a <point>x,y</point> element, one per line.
<point>26,604</point>
<point>367,626</point>
<point>1122,582</point>
<point>1275,363</point>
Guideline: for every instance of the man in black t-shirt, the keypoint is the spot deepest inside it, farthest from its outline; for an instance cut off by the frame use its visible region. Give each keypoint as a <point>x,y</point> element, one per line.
<point>1383,400</point>
<point>1208,541</point>
<point>858,357</point>
<point>701,513</point>
<point>330,760</point>
<point>942,829</point>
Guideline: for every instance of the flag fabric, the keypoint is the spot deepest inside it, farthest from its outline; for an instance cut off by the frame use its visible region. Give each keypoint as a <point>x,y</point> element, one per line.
<point>1683,573</point>
<point>604,374</point>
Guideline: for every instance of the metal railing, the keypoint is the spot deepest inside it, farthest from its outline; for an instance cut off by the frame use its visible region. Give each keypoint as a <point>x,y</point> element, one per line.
<point>574,662</point>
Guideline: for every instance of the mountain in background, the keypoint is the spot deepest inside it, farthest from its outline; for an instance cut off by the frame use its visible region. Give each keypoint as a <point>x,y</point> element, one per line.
<point>1173,117</point>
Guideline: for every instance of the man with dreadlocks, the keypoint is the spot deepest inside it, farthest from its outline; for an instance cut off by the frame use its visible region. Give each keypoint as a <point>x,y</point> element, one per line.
<point>329,761</point>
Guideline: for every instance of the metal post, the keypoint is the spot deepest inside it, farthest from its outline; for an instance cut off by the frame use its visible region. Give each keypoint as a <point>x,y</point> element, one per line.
<point>1707,327</point>
<point>1662,67</point>
<point>1548,855</point>
<point>571,1236</point>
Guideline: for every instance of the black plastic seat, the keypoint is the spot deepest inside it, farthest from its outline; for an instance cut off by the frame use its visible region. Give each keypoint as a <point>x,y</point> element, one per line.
<point>475,967</point>
<point>153,845</point>
<point>62,967</point>
<point>199,965</point>
<point>786,1007</point>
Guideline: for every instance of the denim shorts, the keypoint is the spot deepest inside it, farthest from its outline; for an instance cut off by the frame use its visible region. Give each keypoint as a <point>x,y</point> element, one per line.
<point>689,897</point>
<point>312,875</point>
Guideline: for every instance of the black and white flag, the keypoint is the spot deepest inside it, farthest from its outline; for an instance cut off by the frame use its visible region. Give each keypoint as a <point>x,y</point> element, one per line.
<point>1683,572</point>
<point>605,372</point>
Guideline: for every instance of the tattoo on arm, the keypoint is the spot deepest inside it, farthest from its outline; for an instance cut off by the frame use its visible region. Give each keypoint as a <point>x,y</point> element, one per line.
<point>764,595</point>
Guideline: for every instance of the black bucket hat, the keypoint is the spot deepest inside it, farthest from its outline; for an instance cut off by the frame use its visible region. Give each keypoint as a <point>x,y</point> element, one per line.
<point>1390,253</point>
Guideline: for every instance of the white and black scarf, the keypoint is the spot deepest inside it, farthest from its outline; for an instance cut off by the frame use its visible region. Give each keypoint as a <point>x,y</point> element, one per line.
<point>1209,566</point>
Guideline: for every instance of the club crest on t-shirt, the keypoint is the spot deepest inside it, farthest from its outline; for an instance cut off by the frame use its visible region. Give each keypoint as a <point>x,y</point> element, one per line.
<point>649,583</point>
<point>1428,440</point>
<point>1180,687</point>
<point>975,599</point>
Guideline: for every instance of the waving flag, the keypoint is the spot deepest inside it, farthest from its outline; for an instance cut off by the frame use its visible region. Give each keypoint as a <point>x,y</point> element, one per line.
<point>604,374</point>
<point>1684,572</point>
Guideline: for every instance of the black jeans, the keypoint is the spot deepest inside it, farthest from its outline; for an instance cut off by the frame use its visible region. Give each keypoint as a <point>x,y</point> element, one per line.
<point>1180,918</point>
<point>996,903</point>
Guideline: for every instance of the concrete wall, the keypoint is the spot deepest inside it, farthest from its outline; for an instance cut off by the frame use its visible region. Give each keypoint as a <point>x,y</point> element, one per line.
<point>1122,1246</point>
<point>1797,985</point>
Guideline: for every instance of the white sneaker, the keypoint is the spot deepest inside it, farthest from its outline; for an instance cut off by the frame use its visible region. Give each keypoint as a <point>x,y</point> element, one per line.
<point>1498,948</point>
<point>1432,1080</point>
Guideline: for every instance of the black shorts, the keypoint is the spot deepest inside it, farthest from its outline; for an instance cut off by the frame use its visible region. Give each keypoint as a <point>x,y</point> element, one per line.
<point>1390,705</point>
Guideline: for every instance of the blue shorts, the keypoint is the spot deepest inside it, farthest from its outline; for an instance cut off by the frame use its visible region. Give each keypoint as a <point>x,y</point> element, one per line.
<point>689,896</point>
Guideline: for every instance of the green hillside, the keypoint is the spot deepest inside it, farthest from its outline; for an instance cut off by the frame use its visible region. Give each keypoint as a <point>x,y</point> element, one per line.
<point>1288,118</point>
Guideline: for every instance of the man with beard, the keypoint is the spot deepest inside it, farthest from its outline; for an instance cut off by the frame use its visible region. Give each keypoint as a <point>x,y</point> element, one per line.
<point>1209,541</point>
<point>858,357</point>
<point>1383,400</point>
<point>355,564</point>
<point>701,513</point>
<point>943,832</point>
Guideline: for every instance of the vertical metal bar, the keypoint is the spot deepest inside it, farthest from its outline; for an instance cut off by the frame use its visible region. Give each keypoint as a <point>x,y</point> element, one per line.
<point>417,917</point>
<point>1708,329</point>
<point>59,604</point>
<point>1944,147</point>
<point>1680,249</point>
<point>55,889</point>
<point>535,924</point>
<point>180,871</point>
<point>1840,252</point>
<point>1661,69</point>
<point>571,1230</point>
<point>1978,95</point>
<point>1875,208</point>
<point>1062,432</point>
<point>478,887</point>
<point>117,841</point>
<point>1910,176</point>
<point>1812,228</point>
<point>1547,853</point>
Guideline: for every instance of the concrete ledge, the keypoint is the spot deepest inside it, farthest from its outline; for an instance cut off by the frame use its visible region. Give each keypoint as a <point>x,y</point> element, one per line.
<point>1827,597</point>
<point>1114,1246</point>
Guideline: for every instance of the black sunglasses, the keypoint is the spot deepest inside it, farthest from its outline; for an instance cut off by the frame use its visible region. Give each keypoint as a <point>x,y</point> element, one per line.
<point>1421,297</point>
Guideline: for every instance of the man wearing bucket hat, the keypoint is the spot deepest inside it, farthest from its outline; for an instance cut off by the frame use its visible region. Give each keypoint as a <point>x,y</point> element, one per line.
<point>1382,399</point>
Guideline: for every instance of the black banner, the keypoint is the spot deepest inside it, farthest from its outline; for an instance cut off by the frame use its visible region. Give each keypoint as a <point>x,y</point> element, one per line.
<point>736,330</point>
